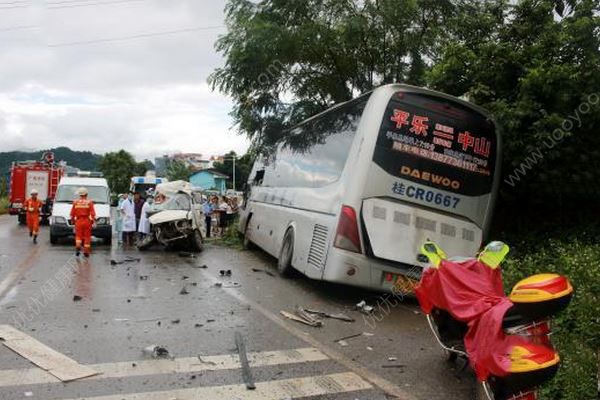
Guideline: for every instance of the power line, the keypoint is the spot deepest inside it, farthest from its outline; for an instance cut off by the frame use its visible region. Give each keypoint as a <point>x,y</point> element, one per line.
<point>70,4</point>
<point>132,37</point>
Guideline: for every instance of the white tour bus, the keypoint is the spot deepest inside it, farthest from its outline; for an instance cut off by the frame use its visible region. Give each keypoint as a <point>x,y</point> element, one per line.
<point>351,194</point>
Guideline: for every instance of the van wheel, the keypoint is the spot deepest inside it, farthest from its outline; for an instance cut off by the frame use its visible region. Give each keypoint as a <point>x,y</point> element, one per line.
<point>197,240</point>
<point>284,263</point>
<point>107,241</point>
<point>53,239</point>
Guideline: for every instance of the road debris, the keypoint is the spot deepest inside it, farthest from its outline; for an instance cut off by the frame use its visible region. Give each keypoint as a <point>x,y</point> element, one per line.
<point>263,271</point>
<point>246,373</point>
<point>303,318</point>
<point>203,266</point>
<point>155,351</point>
<point>225,272</point>
<point>364,308</point>
<point>340,316</point>
<point>77,298</point>
<point>205,362</point>
<point>393,366</point>
<point>126,260</point>
<point>143,277</point>
<point>392,358</point>
<point>175,321</point>
<point>231,285</point>
<point>186,254</point>
<point>342,343</point>
<point>184,291</point>
<point>342,339</point>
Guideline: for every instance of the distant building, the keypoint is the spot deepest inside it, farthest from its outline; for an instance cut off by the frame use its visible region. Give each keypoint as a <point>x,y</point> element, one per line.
<point>210,179</point>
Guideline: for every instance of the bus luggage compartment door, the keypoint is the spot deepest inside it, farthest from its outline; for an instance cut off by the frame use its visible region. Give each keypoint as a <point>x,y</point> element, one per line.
<point>396,231</point>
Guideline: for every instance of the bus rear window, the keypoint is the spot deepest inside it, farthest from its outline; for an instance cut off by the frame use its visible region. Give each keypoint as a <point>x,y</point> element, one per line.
<point>437,143</point>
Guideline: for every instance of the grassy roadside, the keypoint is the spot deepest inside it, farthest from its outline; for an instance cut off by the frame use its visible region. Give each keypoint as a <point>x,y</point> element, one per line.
<point>3,205</point>
<point>576,333</point>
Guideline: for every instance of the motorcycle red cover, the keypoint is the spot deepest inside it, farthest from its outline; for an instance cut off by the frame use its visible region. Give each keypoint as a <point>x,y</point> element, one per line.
<point>472,293</point>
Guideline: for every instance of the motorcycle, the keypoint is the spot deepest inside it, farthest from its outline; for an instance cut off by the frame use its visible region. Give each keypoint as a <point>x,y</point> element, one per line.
<point>505,339</point>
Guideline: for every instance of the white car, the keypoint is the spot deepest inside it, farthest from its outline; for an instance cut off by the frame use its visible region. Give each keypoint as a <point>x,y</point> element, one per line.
<point>98,191</point>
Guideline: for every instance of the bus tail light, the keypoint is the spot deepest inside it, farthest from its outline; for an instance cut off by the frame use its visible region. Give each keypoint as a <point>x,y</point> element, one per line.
<point>346,236</point>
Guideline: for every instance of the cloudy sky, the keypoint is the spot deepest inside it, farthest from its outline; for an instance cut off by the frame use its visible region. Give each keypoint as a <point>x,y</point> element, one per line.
<point>102,75</point>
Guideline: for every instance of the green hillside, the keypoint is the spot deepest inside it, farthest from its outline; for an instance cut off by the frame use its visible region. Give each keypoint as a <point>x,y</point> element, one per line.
<point>84,160</point>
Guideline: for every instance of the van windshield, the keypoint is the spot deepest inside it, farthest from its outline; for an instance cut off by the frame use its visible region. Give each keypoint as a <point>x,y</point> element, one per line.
<point>68,193</point>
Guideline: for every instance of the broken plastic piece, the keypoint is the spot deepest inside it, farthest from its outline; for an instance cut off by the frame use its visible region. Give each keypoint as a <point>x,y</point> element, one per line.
<point>155,351</point>
<point>364,308</point>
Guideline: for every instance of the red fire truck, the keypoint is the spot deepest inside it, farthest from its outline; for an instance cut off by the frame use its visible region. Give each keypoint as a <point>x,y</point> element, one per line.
<point>28,175</point>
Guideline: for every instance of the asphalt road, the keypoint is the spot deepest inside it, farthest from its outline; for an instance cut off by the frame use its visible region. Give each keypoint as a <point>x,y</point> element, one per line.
<point>127,307</point>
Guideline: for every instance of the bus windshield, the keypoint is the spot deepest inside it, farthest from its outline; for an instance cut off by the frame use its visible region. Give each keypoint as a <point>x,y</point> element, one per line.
<point>438,143</point>
<point>68,193</point>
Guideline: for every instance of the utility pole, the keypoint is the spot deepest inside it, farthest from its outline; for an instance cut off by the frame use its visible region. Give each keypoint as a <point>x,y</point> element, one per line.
<point>234,157</point>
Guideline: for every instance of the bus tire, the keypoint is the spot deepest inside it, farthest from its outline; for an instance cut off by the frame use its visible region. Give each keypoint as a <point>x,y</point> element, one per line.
<point>284,263</point>
<point>248,245</point>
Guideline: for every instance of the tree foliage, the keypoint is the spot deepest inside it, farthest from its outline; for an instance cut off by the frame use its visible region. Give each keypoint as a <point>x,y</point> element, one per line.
<point>118,168</point>
<point>535,64</point>
<point>178,171</point>
<point>286,60</point>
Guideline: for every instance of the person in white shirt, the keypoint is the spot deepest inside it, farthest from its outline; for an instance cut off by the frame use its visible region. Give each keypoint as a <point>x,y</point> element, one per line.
<point>144,226</point>
<point>128,216</point>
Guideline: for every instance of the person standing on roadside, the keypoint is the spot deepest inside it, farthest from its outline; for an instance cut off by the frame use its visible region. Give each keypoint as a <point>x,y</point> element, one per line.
<point>138,203</point>
<point>127,211</point>
<point>119,222</point>
<point>144,225</point>
<point>32,208</point>
<point>208,209</point>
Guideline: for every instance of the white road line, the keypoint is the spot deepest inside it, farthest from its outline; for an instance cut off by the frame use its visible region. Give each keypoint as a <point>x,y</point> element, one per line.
<point>57,364</point>
<point>271,390</point>
<point>35,376</point>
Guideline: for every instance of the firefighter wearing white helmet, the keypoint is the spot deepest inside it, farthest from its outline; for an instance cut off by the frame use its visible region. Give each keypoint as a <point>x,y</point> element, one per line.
<point>83,215</point>
<point>32,208</point>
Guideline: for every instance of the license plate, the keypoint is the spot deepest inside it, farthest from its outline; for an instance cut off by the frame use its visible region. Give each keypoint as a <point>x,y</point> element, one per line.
<point>405,284</point>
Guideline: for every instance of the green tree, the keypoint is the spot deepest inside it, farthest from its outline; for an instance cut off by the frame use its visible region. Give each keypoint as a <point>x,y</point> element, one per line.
<point>538,72</point>
<point>143,167</point>
<point>319,53</point>
<point>118,168</point>
<point>243,165</point>
<point>178,171</point>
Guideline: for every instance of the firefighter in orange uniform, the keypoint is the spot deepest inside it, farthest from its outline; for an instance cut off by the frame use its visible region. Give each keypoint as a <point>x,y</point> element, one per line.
<point>32,209</point>
<point>83,216</point>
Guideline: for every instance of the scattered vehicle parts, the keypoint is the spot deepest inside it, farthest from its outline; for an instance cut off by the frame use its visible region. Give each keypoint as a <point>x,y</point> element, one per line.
<point>364,308</point>
<point>340,316</point>
<point>156,351</point>
<point>246,373</point>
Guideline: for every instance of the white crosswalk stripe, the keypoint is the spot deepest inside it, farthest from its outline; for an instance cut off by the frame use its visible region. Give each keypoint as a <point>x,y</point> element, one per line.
<point>272,390</point>
<point>34,376</point>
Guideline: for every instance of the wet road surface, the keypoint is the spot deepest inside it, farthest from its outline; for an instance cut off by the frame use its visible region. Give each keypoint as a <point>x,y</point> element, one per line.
<point>122,309</point>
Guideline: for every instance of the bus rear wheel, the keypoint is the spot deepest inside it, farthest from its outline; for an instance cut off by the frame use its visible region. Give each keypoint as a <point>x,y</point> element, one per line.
<point>284,263</point>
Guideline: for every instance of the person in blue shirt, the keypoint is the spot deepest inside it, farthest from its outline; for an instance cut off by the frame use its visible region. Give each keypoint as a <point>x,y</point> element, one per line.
<point>207,209</point>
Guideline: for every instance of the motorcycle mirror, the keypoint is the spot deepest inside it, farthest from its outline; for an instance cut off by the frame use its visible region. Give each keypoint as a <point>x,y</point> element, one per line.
<point>493,254</point>
<point>434,253</point>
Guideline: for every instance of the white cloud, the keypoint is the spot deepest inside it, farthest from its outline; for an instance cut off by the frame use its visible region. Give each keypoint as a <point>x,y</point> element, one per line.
<point>147,95</point>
